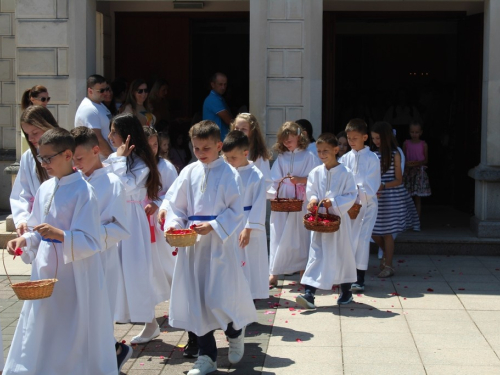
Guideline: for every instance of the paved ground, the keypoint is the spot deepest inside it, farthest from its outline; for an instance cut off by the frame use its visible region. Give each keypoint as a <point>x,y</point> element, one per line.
<point>438,315</point>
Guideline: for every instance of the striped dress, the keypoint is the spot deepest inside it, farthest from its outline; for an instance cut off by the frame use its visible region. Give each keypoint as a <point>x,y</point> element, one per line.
<point>396,210</point>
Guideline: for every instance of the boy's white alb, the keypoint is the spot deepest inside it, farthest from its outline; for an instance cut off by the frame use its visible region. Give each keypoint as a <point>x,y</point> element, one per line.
<point>136,296</point>
<point>365,168</point>
<point>209,289</point>
<point>331,256</point>
<point>289,245</point>
<point>254,257</point>
<point>70,332</point>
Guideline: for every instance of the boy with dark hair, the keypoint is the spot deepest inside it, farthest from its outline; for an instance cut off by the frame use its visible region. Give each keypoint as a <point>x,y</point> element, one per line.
<point>252,231</point>
<point>365,167</point>
<point>54,335</point>
<point>209,290</point>
<point>114,224</point>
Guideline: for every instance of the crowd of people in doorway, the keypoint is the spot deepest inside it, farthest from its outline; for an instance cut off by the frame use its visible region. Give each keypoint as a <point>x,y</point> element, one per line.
<point>93,205</point>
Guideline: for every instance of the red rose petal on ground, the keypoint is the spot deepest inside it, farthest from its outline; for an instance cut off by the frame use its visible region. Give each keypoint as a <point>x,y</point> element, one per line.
<point>395,294</point>
<point>124,341</point>
<point>404,298</point>
<point>291,309</point>
<point>298,340</point>
<point>430,290</point>
<point>162,357</point>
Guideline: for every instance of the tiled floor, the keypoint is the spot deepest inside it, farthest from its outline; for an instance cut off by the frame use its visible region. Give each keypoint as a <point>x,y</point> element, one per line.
<point>437,315</point>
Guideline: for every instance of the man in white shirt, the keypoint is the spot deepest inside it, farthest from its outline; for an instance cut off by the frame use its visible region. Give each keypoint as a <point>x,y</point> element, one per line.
<point>93,114</point>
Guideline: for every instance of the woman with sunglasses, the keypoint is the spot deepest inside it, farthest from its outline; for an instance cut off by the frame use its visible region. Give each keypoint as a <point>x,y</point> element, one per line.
<point>137,103</point>
<point>37,95</point>
<point>35,121</point>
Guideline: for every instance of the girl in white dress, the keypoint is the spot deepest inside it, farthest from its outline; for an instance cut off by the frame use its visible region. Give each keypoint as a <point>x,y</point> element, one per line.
<point>289,245</point>
<point>134,164</point>
<point>258,152</point>
<point>331,257</point>
<point>35,121</point>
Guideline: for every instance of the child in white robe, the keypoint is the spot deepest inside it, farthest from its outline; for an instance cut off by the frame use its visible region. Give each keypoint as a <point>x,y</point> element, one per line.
<point>114,221</point>
<point>209,289</point>
<point>258,152</point>
<point>134,163</point>
<point>69,332</point>
<point>252,237</point>
<point>331,257</point>
<point>365,167</point>
<point>290,241</point>
<point>35,121</point>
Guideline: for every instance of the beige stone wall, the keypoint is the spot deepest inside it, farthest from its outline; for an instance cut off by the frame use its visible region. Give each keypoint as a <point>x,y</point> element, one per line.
<point>7,75</point>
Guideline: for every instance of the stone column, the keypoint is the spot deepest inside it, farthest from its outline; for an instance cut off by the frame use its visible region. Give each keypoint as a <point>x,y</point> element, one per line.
<point>55,48</point>
<point>286,62</point>
<point>486,222</point>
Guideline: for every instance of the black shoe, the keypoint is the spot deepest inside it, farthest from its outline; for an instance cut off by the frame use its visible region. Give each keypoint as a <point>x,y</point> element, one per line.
<point>306,301</point>
<point>345,298</point>
<point>191,349</point>
<point>124,356</point>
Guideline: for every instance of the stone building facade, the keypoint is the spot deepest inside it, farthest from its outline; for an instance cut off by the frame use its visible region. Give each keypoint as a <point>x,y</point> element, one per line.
<point>53,43</point>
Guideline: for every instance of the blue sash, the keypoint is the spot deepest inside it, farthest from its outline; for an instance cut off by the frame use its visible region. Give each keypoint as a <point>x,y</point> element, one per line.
<point>202,218</point>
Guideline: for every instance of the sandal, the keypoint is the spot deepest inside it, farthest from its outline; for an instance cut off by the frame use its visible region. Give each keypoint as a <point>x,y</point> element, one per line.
<point>273,282</point>
<point>386,272</point>
<point>382,264</point>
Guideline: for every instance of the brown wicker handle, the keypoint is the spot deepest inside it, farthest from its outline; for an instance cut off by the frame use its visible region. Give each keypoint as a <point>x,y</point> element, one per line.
<point>279,186</point>
<point>5,268</point>
<point>319,205</point>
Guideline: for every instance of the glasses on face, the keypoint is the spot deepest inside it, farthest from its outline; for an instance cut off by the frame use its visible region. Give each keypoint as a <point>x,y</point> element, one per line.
<point>43,99</point>
<point>102,91</point>
<point>141,91</point>
<point>48,159</point>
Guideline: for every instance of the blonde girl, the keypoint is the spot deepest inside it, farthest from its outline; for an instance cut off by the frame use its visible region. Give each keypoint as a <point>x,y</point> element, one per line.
<point>289,245</point>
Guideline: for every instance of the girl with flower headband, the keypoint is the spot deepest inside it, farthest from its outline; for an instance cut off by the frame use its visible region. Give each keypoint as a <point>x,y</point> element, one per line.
<point>290,241</point>
<point>331,257</point>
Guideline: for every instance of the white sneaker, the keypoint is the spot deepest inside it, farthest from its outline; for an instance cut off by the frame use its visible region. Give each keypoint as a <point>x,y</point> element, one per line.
<point>236,348</point>
<point>203,365</point>
<point>144,340</point>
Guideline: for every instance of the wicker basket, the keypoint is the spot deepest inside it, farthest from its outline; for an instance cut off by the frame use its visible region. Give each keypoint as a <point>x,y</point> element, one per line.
<point>286,204</point>
<point>37,289</point>
<point>319,226</point>
<point>181,240</point>
<point>354,211</point>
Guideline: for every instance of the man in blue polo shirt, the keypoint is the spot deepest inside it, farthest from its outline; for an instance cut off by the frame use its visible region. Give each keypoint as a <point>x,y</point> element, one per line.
<point>215,107</point>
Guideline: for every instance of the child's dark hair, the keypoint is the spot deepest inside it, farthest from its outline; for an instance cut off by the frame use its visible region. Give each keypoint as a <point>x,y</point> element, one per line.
<point>416,123</point>
<point>162,136</point>
<point>150,132</point>
<point>287,129</point>
<point>388,144</point>
<point>59,138</point>
<point>205,129</point>
<point>84,137</point>
<point>235,139</point>
<point>307,126</point>
<point>357,125</point>
<point>327,138</point>
<point>40,117</point>
<point>342,134</point>
<point>127,124</point>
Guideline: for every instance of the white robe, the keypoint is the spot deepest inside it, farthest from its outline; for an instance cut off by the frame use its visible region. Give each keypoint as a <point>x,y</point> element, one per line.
<point>254,258</point>
<point>209,289</point>
<point>69,332</point>
<point>331,256</point>
<point>289,245</point>
<point>136,296</point>
<point>264,167</point>
<point>365,168</point>
<point>114,227</point>
<point>24,189</point>
<point>161,251</point>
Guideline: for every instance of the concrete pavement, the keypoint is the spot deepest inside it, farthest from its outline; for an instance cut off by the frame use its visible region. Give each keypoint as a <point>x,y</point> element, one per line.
<point>437,315</point>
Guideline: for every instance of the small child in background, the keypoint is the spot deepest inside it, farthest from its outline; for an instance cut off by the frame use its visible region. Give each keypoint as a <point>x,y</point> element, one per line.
<point>290,241</point>
<point>365,167</point>
<point>209,289</point>
<point>252,232</point>
<point>343,144</point>
<point>258,152</point>
<point>179,153</point>
<point>331,257</point>
<point>417,155</point>
<point>396,211</point>
<point>164,144</point>
<point>308,132</point>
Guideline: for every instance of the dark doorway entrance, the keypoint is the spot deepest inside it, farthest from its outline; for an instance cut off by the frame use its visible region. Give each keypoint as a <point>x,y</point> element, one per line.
<point>372,60</point>
<point>185,49</point>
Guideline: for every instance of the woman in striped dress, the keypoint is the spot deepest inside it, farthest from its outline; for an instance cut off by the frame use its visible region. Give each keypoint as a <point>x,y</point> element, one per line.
<point>396,211</point>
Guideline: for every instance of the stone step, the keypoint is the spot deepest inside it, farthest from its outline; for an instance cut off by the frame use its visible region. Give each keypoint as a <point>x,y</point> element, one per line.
<point>6,235</point>
<point>10,227</point>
